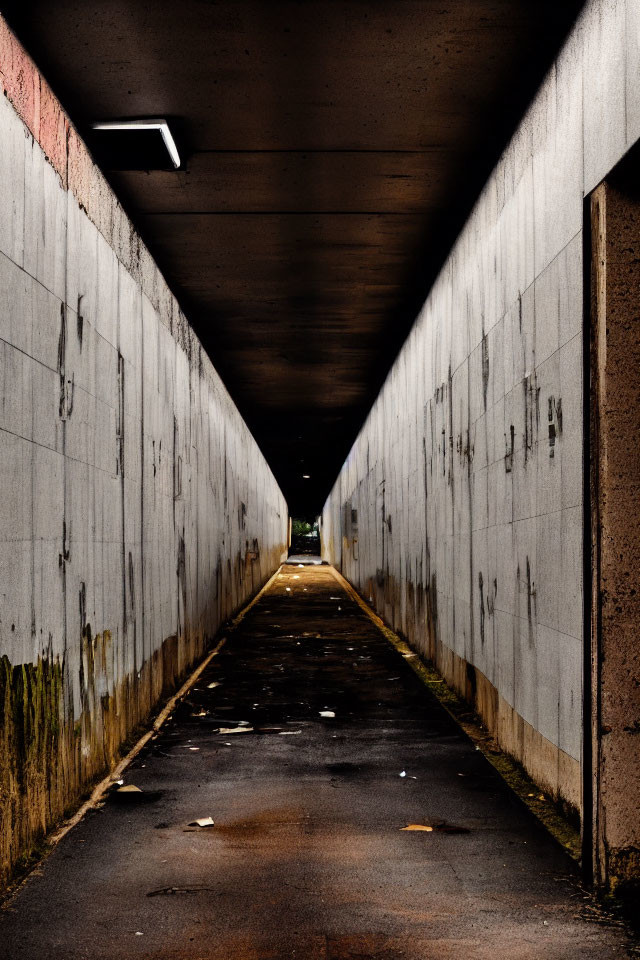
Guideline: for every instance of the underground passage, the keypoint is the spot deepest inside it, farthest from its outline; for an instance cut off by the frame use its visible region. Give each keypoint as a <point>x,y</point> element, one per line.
<point>319,527</point>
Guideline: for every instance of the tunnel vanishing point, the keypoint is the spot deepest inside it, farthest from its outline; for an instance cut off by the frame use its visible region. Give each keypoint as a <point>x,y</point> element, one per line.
<point>374,264</point>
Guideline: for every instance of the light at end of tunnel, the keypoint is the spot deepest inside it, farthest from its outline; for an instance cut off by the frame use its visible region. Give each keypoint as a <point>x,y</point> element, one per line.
<point>160,125</point>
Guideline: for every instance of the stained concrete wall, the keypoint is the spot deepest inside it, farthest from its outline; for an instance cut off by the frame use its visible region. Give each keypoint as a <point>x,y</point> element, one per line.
<point>137,512</point>
<point>459,511</point>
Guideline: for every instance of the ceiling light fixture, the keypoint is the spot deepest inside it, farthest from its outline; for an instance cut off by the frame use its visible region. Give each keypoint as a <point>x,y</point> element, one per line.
<point>160,125</point>
<point>306,476</point>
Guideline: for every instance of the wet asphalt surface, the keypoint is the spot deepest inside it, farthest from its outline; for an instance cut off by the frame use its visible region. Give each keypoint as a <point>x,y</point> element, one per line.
<point>307,857</point>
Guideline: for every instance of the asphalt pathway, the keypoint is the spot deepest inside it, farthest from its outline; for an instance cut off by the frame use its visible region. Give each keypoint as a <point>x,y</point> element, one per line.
<point>311,744</point>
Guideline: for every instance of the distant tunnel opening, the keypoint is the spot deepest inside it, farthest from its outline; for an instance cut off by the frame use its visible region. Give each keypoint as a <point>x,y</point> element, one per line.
<point>305,537</point>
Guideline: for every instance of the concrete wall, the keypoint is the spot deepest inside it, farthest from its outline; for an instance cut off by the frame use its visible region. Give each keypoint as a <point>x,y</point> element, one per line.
<point>615,527</point>
<point>137,512</point>
<point>459,510</point>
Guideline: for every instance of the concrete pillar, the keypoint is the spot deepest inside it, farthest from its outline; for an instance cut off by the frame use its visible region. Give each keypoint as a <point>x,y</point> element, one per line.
<point>615,528</point>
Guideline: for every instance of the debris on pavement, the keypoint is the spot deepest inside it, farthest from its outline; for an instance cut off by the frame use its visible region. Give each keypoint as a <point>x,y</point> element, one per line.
<point>172,891</point>
<point>440,826</point>
<point>129,793</point>
<point>312,818</point>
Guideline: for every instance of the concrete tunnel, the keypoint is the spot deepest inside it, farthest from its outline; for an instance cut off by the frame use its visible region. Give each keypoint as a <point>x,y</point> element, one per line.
<point>362,268</point>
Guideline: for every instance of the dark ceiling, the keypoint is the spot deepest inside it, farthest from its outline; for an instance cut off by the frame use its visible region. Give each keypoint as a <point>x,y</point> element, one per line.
<point>333,150</point>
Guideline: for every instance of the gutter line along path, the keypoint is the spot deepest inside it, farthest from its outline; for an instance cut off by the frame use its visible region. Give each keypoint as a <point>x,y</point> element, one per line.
<point>307,856</point>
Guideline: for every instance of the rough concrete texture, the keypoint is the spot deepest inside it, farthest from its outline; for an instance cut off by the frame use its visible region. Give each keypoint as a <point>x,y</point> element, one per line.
<point>459,508</point>
<point>137,512</point>
<point>307,856</point>
<point>616,525</point>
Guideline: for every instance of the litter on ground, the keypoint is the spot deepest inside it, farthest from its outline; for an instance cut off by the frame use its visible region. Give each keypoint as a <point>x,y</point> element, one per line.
<point>201,822</point>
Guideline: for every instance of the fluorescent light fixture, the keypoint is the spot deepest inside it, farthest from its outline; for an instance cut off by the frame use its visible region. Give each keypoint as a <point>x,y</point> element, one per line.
<point>306,476</point>
<point>161,125</point>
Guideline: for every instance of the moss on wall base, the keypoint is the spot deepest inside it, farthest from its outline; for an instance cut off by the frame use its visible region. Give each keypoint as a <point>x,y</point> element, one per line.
<point>49,758</point>
<point>33,737</point>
